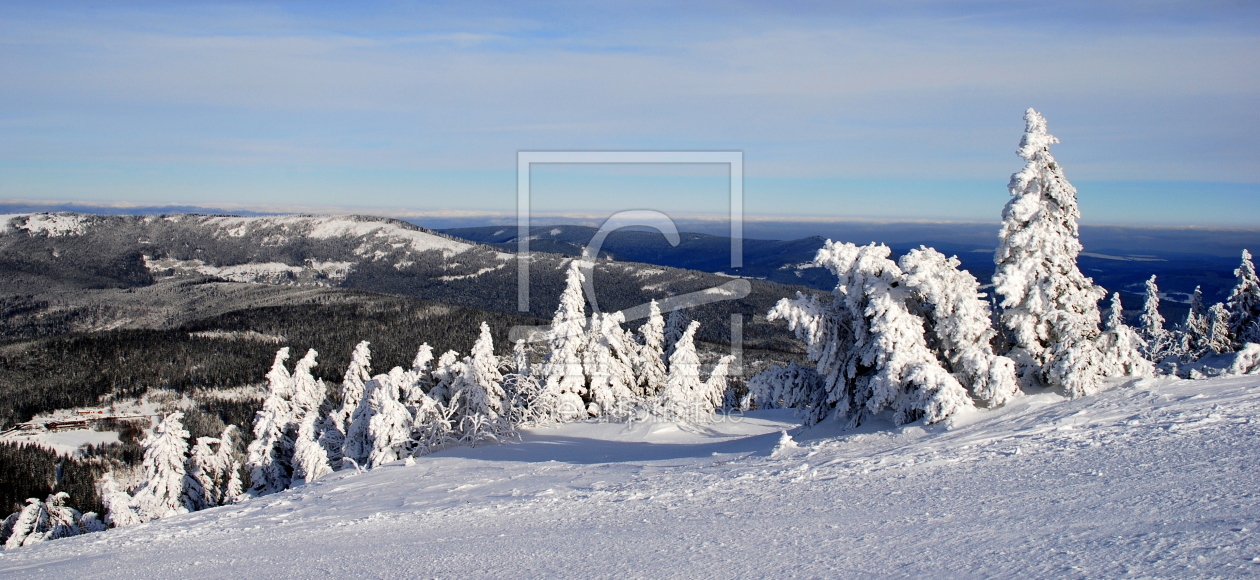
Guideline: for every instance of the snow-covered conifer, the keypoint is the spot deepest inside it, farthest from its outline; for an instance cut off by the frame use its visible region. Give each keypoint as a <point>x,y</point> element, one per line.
<point>91,523</point>
<point>961,323</point>
<point>713,394</point>
<point>564,381</point>
<point>165,452</point>
<point>201,490</point>
<point>790,387</point>
<point>389,424</point>
<point>228,475</point>
<point>650,364</point>
<point>271,452</point>
<point>63,520</point>
<point>1243,304</point>
<point>120,507</point>
<point>479,390</point>
<point>336,426</point>
<point>308,392</point>
<point>868,346</point>
<point>1121,346</point>
<point>675,325</point>
<point>418,381</point>
<point>608,360</point>
<point>520,358</point>
<point>1158,339</point>
<point>310,461</point>
<point>445,373</point>
<point>1218,337</point>
<point>679,400</point>
<point>1194,331</point>
<point>29,526</point>
<point>1049,307</point>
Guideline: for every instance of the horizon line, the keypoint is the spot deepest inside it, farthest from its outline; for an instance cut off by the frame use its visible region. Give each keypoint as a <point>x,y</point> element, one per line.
<point>66,206</point>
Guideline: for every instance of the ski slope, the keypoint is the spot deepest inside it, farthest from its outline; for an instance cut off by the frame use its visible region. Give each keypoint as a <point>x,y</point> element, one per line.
<point>1157,478</point>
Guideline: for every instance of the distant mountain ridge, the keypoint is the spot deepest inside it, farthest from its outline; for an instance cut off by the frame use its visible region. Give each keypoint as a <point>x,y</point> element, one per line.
<point>67,253</point>
<point>1110,260</point>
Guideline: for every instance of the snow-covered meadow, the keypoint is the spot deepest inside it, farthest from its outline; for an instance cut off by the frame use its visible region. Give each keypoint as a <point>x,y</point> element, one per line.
<point>1151,478</point>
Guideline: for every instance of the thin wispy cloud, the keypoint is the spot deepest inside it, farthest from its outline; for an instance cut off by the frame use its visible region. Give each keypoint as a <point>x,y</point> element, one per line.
<point>1138,92</point>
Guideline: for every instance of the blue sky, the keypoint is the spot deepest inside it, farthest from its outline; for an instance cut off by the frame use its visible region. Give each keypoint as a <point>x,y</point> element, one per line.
<point>841,110</point>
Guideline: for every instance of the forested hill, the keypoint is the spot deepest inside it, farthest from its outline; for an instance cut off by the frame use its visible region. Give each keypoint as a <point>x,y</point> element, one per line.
<point>47,257</point>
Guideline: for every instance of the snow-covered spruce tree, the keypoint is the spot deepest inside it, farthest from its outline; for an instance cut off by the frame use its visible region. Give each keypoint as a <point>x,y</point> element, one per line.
<point>790,387</point>
<point>50,519</point>
<point>310,460</point>
<point>829,336</point>
<point>201,490</point>
<point>961,324</point>
<point>215,469</point>
<point>884,364</point>
<point>389,426</point>
<point>336,426</point>
<point>309,393</point>
<point>564,382</point>
<point>680,399</point>
<point>608,361</point>
<point>1194,331</point>
<point>165,452</point>
<point>1243,304</point>
<point>479,391</point>
<point>418,381</point>
<point>713,393</point>
<point>1158,339</point>
<point>445,373</point>
<point>520,358</point>
<point>271,452</point>
<point>1049,307</point>
<point>675,325</point>
<point>650,363</point>
<point>26,529</point>
<point>120,507</point>
<point>1121,346</point>
<point>1218,338</point>
<point>228,475</point>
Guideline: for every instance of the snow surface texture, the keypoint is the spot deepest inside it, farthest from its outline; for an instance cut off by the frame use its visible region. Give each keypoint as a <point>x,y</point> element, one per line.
<point>1151,479</point>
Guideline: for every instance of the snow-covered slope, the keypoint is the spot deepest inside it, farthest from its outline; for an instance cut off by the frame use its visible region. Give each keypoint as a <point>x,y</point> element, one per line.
<point>1152,479</point>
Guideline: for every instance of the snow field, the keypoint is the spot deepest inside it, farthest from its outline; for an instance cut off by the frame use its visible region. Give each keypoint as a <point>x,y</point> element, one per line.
<point>1153,478</point>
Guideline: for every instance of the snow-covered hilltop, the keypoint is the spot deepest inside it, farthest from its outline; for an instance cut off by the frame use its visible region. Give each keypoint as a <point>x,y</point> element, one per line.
<point>1150,479</point>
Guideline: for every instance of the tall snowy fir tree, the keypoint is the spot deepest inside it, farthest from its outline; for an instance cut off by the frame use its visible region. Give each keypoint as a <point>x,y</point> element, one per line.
<point>608,362</point>
<point>308,392</point>
<point>1121,346</point>
<point>271,452</point>
<point>1243,304</point>
<point>1194,331</point>
<point>165,452</point>
<point>445,372</point>
<point>1158,339</point>
<point>214,467</point>
<point>680,399</point>
<point>388,424</point>
<point>1049,307</point>
<point>310,460</point>
<point>1219,340</point>
<point>480,392</point>
<point>675,325</point>
<point>650,364</point>
<point>562,375</point>
<point>336,426</point>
